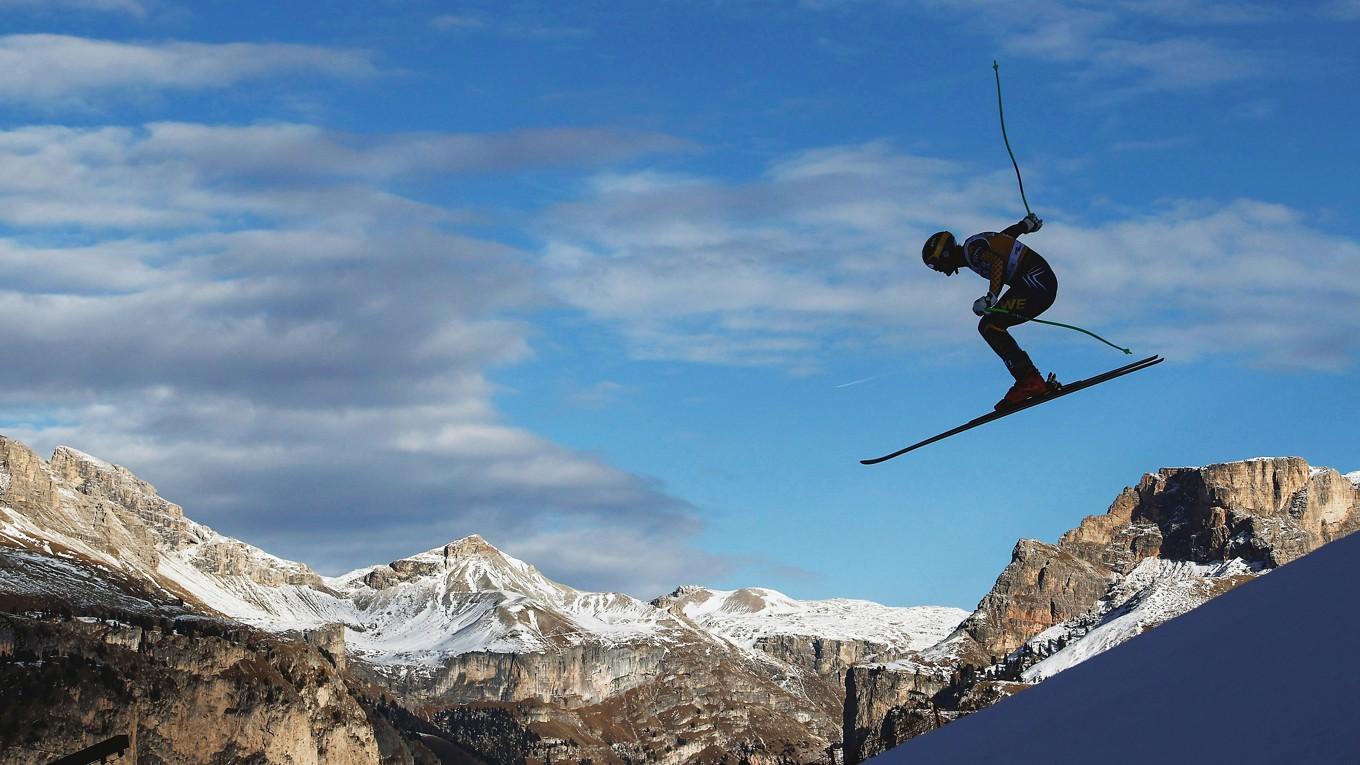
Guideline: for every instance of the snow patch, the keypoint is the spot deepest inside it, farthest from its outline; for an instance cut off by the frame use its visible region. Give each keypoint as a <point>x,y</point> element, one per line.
<point>744,617</point>
<point>1156,591</point>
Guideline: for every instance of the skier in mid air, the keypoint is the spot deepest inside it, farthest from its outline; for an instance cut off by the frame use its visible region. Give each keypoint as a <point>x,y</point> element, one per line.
<point>1003,261</point>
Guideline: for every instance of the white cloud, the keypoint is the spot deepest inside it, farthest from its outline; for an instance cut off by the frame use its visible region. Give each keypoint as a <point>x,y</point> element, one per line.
<point>129,7</point>
<point>174,176</point>
<point>822,253</point>
<point>49,69</point>
<point>296,356</point>
<point>614,553</point>
<point>536,26</point>
<point>1131,46</point>
<point>1342,10</point>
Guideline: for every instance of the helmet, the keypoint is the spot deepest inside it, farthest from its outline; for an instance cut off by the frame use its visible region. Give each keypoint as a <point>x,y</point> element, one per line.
<point>936,250</point>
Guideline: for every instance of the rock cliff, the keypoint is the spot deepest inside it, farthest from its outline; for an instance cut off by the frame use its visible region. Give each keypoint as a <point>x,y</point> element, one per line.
<point>1166,545</point>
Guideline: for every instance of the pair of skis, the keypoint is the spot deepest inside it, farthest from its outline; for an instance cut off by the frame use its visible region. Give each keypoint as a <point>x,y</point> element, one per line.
<point>1058,390</point>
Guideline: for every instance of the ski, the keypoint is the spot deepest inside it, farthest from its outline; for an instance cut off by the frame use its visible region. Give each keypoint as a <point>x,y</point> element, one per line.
<point>1059,392</point>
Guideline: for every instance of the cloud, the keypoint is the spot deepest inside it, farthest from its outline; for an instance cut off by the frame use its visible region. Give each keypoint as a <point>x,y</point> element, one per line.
<point>615,552</point>
<point>129,7</point>
<point>1126,47</point>
<point>292,149</point>
<point>182,176</point>
<point>820,255</point>
<point>298,357</point>
<point>61,70</point>
<point>775,271</point>
<point>1341,10</point>
<point>533,26</point>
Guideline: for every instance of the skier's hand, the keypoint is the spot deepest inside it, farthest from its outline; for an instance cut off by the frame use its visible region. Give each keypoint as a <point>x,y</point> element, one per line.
<point>1032,223</point>
<point>981,305</point>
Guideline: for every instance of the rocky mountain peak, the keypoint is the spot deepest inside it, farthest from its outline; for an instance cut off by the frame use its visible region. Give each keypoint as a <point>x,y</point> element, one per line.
<point>467,565</point>
<point>1263,512</point>
<point>470,546</point>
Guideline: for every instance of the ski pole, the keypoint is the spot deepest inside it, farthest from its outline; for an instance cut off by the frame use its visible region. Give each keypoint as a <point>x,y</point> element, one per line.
<point>996,68</point>
<point>1058,324</point>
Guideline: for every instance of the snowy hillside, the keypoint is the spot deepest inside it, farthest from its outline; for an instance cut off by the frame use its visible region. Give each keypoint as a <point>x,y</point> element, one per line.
<point>463,597</point>
<point>745,616</point>
<point>1157,590</point>
<point>469,596</point>
<point>1265,673</point>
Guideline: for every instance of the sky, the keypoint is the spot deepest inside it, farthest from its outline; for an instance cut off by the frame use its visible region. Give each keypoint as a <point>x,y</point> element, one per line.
<point>629,289</point>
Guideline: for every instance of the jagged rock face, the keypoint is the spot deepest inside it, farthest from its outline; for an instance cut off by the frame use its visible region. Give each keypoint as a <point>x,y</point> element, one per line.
<point>826,657</point>
<point>633,700</point>
<point>1178,538</point>
<point>113,512</point>
<point>217,696</point>
<point>53,496</point>
<point>873,692</point>
<point>102,482</point>
<point>1266,511</point>
<point>1043,585</point>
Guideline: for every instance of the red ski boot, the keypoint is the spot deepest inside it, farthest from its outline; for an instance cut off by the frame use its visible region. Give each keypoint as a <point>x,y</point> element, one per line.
<point>1027,387</point>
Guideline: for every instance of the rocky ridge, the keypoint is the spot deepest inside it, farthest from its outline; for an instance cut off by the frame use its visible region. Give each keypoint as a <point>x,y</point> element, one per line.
<point>1178,538</point>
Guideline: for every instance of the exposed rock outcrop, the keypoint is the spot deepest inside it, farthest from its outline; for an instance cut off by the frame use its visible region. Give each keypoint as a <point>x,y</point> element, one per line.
<point>189,691</point>
<point>1205,529</point>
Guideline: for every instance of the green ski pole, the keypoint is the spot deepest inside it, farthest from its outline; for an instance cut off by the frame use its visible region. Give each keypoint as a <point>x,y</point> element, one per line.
<point>1058,324</point>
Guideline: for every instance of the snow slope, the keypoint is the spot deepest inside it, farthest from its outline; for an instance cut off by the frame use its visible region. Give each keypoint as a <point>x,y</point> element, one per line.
<point>745,616</point>
<point>1265,673</point>
<point>1155,591</point>
<point>469,596</point>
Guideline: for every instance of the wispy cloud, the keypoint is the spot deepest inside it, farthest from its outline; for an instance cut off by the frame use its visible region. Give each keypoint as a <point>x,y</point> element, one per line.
<point>130,7</point>
<point>1128,46</point>
<point>1341,10</point>
<point>172,176</point>
<point>48,69</point>
<point>1153,144</point>
<point>537,26</point>
<point>821,254</point>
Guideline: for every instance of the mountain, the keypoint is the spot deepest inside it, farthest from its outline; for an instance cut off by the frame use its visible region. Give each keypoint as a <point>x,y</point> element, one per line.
<point>1264,674</point>
<point>176,625</point>
<point>696,676</point>
<point>1179,538</point>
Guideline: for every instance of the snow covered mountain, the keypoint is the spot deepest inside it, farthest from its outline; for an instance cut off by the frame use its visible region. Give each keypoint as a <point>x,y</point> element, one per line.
<point>467,623</point>
<point>611,678</point>
<point>754,614</point>
<point>1264,674</point>
<point>463,597</point>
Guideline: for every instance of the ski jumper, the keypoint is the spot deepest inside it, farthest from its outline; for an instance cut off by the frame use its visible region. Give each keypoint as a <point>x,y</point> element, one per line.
<point>1003,260</point>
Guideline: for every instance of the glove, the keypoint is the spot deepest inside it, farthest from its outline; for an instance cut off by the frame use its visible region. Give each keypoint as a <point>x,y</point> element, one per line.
<point>1032,223</point>
<point>981,305</point>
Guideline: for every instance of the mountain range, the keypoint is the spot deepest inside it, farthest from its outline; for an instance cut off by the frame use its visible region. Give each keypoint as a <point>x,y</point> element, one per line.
<point>463,653</point>
<point>695,674</point>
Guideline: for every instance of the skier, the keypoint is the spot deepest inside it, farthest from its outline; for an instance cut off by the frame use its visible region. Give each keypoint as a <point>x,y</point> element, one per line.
<point>1002,260</point>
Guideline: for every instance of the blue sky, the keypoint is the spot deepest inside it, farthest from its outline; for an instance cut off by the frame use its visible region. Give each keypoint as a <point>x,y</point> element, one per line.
<point>629,289</point>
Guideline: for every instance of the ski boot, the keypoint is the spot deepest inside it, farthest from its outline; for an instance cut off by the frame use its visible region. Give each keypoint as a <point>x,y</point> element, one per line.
<point>1025,388</point>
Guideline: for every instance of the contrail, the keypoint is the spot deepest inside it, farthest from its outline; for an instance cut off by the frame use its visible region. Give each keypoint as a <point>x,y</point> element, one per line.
<point>857,382</point>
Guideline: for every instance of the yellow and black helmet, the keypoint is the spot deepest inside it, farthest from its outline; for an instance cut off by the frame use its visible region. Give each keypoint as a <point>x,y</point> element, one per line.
<point>935,253</point>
